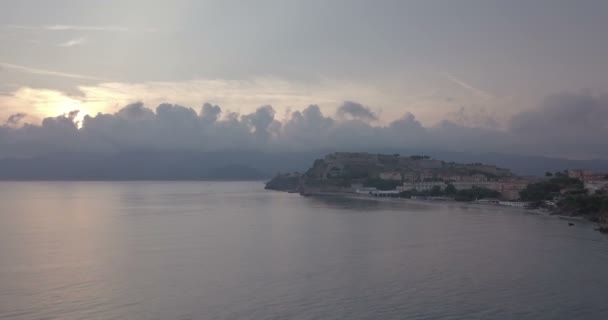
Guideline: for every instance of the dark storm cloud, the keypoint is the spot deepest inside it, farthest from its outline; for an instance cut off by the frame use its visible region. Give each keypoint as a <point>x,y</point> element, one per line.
<point>14,119</point>
<point>260,120</point>
<point>564,124</point>
<point>210,113</point>
<point>356,110</point>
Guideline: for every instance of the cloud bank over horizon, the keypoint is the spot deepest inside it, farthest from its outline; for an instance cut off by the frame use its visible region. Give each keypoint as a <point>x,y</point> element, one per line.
<point>565,125</point>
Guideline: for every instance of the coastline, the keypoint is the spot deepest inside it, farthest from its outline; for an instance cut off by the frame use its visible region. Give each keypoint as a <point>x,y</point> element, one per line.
<point>539,212</point>
<point>443,202</point>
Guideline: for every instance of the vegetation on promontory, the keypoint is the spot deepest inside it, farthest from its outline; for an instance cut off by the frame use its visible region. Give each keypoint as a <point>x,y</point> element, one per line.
<point>284,182</point>
<point>549,189</point>
<point>567,196</point>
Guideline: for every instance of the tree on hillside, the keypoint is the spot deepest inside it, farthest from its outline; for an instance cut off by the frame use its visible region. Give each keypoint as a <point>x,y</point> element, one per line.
<point>419,157</point>
<point>382,184</point>
<point>450,190</point>
<point>549,189</point>
<point>436,191</point>
<point>476,193</point>
<point>582,204</point>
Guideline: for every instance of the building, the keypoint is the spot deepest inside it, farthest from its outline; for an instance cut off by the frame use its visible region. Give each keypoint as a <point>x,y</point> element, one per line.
<point>413,176</point>
<point>366,190</point>
<point>425,175</point>
<point>487,201</point>
<point>422,186</point>
<point>449,177</point>
<point>356,186</point>
<point>518,204</point>
<point>384,193</point>
<point>333,171</point>
<point>477,177</point>
<point>580,174</point>
<point>410,176</point>
<point>351,158</point>
<point>483,168</point>
<point>390,175</point>
<point>597,176</point>
<point>509,190</point>
<point>594,186</point>
<point>464,185</point>
<point>511,194</point>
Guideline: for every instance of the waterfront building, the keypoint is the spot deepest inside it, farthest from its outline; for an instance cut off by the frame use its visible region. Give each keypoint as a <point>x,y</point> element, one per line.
<point>509,190</point>
<point>366,190</point>
<point>390,175</point>
<point>425,175</point>
<point>580,174</point>
<point>422,185</point>
<point>487,201</point>
<point>518,204</point>
<point>410,176</point>
<point>596,185</point>
<point>384,193</point>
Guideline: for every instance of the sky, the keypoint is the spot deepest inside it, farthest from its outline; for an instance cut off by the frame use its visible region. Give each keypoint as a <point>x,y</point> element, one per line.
<point>526,76</point>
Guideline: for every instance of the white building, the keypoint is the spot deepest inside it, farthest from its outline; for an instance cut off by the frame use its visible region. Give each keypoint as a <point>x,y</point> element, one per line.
<point>464,185</point>
<point>422,185</point>
<point>519,204</point>
<point>596,185</point>
<point>384,193</point>
<point>580,174</point>
<point>366,190</point>
<point>391,175</point>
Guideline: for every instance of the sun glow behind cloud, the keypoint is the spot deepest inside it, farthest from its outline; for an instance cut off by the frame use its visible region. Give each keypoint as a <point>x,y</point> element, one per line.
<point>41,103</point>
<point>234,95</point>
<point>242,96</point>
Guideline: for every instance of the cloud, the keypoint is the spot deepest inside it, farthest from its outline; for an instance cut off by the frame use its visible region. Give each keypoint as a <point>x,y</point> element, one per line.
<point>72,43</point>
<point>44,72</point>
<point>574,123</point>
<point>63,27</point>
<point>467,86</point>
<point>568,124</point>
<point>260,120</point>
<point>430,104</point>
<point>242,96</point>
<point>474,117</point>
<point>357,111</point>
<point>307,127</point>
<point>14,119</point>
<point>210,113</point>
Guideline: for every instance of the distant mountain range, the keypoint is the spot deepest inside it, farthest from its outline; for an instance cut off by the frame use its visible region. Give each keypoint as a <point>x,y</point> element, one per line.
<point>238,165</point>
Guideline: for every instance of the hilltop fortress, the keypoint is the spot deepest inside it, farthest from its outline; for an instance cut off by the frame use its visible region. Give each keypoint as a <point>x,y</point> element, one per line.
<point>405,168</point>
<point>345,172</point>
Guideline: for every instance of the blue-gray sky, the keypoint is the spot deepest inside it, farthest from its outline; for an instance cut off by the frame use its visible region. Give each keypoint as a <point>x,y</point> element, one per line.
<point>476,63</point>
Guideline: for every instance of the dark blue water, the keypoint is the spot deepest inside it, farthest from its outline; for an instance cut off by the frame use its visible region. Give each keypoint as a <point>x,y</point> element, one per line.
<point>180,250</point>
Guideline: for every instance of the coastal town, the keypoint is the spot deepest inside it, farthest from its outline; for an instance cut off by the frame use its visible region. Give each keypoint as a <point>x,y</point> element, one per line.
<point>572,192</point>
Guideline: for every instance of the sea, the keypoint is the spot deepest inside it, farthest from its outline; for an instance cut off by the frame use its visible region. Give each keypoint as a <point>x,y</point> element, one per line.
<point>232,250</point>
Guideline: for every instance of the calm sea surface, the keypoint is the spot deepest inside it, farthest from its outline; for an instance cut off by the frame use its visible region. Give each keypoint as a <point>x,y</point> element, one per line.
<point>230,250</point>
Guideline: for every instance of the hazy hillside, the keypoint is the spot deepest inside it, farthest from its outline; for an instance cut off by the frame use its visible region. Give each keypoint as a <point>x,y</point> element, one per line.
<point>236,165</point>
